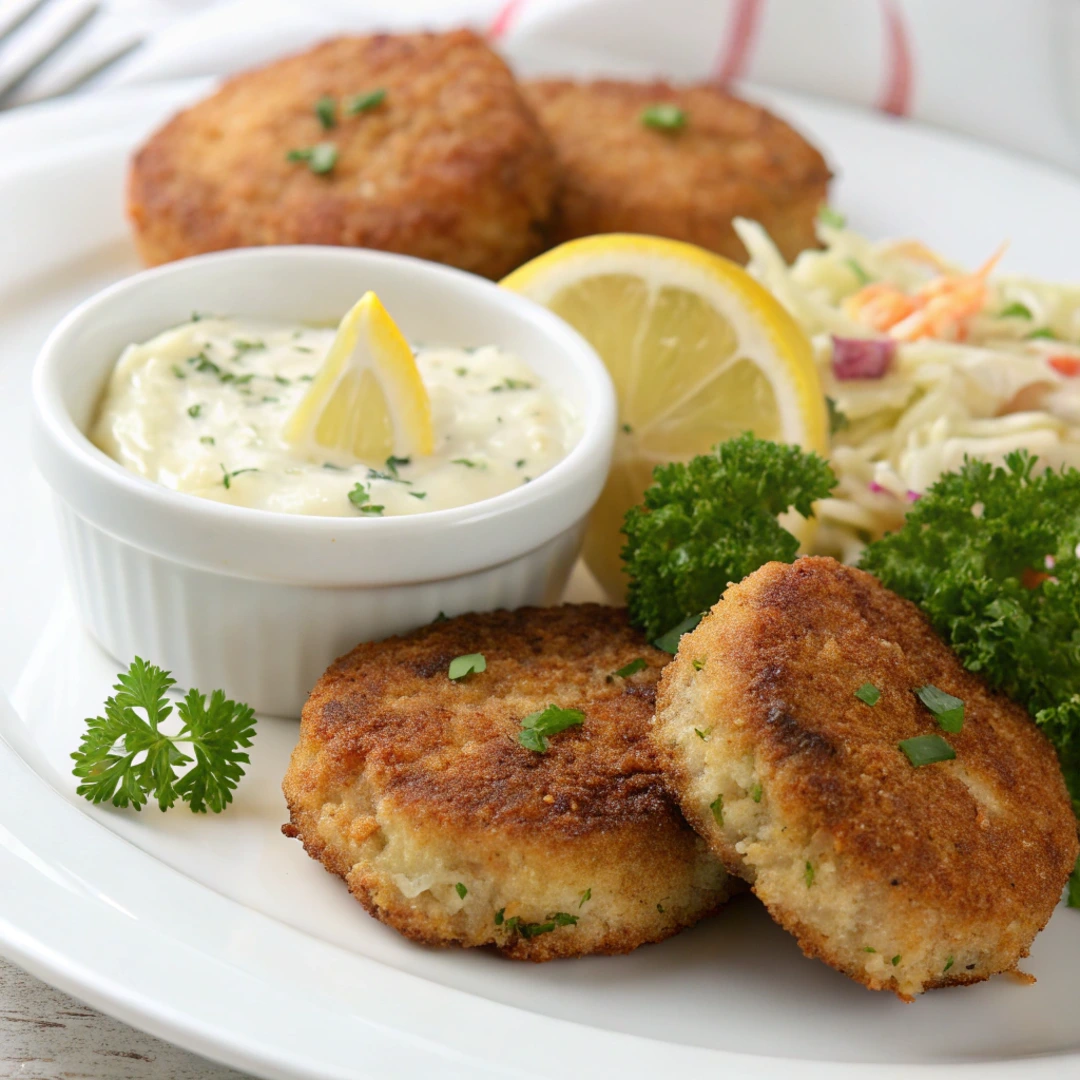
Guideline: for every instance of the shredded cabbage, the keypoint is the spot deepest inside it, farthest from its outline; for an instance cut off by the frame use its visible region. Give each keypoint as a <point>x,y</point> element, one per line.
<point>983,388</point>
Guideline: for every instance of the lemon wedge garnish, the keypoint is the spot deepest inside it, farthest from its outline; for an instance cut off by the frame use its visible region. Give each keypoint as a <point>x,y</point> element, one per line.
<point>367,401</point>
<point>698,351</point>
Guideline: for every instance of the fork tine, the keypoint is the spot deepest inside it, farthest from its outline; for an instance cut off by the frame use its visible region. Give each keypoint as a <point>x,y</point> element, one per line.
<point>47,34</point>
<point>15,14</point>
<point>55,80</point>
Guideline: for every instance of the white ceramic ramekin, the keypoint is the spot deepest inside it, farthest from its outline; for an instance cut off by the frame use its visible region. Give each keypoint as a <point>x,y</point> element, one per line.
<point>259,603</point>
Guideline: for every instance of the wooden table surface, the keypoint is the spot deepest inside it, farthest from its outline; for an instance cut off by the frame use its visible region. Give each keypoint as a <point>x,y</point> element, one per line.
<point>47,1035</point>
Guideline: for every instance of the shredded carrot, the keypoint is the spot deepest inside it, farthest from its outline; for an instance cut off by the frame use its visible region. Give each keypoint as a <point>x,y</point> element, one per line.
<point>1032,579</point>
<point>942,308</point>
<point>1066,365</point>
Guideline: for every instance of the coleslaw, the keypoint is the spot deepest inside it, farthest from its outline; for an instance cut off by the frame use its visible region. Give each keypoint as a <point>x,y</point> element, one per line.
<point>924,363</point>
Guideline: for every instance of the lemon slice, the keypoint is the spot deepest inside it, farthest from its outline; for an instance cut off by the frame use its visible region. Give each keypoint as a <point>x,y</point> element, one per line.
<point>698,351</point>
<point>367,401</point>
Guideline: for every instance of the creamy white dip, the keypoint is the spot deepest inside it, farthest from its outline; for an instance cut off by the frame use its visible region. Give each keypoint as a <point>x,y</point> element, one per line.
<point>201,409</point>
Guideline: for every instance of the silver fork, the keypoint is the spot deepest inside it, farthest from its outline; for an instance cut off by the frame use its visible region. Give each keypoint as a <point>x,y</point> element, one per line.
<point>33,39</point>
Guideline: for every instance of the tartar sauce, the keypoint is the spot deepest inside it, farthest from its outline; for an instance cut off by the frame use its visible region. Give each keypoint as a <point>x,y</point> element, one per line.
<point>201,409</point>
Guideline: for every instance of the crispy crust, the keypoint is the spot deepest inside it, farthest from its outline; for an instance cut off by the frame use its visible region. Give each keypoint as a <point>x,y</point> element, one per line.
<point>963,859</point>
<point>732,159</point>
<point>404,783</point>
<point>452,166</point>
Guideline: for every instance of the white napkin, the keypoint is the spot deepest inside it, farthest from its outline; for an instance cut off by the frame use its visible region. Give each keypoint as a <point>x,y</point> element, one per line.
<point>238,34</point>
<point>1005,71</point>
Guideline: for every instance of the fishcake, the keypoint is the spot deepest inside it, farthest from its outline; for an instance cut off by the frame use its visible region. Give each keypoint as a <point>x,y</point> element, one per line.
<point>904,878</point>
<point>416,790</point>
<point>729,159</point>
<point>438,156</point>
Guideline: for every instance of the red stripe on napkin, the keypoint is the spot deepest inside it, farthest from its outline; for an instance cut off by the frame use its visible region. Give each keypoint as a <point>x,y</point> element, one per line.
<point>734,56</point>
<point>504,19</point>
<point>896,93</point>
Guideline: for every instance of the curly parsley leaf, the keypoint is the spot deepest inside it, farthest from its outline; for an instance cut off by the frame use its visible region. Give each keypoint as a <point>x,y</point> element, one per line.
<point>125,758</point>
<point>711,521</point>
<point>537,726</point>
<point>989,554</point>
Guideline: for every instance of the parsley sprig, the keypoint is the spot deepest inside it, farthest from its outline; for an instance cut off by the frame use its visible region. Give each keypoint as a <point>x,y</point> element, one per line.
<point>126,759</point>
<point>713,520</point>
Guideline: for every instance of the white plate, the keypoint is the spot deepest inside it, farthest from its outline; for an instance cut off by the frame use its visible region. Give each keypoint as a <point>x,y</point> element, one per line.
<point>223,936</point>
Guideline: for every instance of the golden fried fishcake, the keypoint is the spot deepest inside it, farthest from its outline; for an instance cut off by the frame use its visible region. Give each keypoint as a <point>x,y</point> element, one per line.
<point>415,789</point>
<point>451,165</point>
<point>904,878</point>
<point>731,159</point>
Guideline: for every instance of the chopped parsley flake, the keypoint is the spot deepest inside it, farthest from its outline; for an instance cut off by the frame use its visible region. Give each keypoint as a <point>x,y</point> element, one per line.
<point>500,916</point>
<point>630,669</point>
<point>703,735</point>
<point>203,362</point>
<point>833,218</point>
<point>537,726</point>
<point>531,930</point>
<point>207,440</point>
<point>1015,310</point>
<point>466,462</point>
<point>520,463</point>
<point>243,380</point>
<point>395,463</point>
<point>717,808</point>
<point>228,477</point>
<point>948,964</point>
<point>267,397</point>
<point>194,410</point>
<point>179,372</point>
<point>628,429</point>
<point>660,908</point>
<point>663,117</point>
<point>418,494</point>
<point>361,103</point>
<point>697,663</point>
<point>808,874</point>
<point>869,948</point>
<point>242,346</point>
<point>669,642</point>
<point>949,710</point>
<point>755,793</point>
<point>927,750</point>
<point>1045,332</point>
<point>838,421</point>
<point>461,666</point>
<point>512,384</point>
<point>896,960</point>
<point>326,111</point>
<point>321,158</point>
<point>861,276</point>
<point>868,693</point>
<point>460,371</point>
<point>282,381</point>
<point>360,498</point>
<point>585,896</point>
<point>461,890</point>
